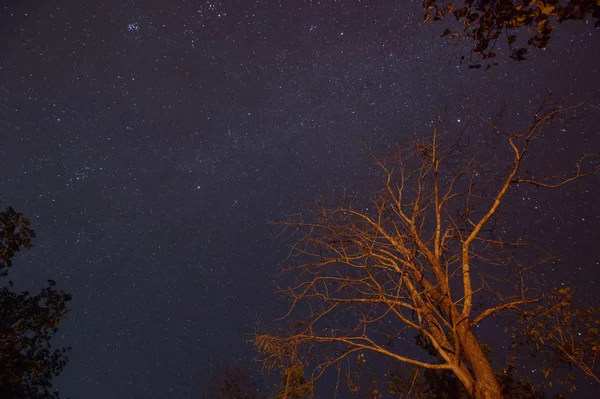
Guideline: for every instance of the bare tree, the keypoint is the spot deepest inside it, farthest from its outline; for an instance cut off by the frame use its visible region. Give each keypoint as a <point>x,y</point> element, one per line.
<point>425,256</point>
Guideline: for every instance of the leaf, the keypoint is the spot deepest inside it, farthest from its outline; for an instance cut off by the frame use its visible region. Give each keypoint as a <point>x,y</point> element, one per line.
<point>541,26</point>
<point>446,32</point>
<point>547,9</point>
<point>427,17</point>
<point>519,54</point>
<point>542,45</point>
<point>546,372</point>
<point>461,12</point>
<point>512,39</point>
<point>428,4</point>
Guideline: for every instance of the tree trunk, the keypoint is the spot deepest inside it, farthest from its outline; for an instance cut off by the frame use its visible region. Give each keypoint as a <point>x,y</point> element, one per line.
<point>486,385</point>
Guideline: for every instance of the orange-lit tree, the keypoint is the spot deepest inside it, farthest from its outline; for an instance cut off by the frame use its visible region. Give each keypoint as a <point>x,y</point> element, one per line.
<point>425,256</point>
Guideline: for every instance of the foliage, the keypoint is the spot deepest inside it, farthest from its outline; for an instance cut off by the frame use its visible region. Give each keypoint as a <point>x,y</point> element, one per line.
<point>14,234</point>
<point>231,383</point>
<point>419,383</point>
<point>28,362</point>
<point>514,386</point>
<point>486,22</point>
<point>562,333</point>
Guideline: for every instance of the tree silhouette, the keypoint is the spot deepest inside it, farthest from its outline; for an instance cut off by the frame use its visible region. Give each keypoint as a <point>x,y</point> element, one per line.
<point>486,23</point>
<point>237,383</point>
<point>427,255</point>
<point>14,234</point>
<point>28,362</point>
<point>231,383</point>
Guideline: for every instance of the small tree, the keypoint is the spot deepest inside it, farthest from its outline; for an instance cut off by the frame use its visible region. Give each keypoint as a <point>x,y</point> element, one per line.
<point>294,384</point>
<point>425,256</point>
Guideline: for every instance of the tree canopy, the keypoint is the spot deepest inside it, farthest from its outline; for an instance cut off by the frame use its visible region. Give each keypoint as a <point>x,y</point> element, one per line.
<point>486,24</point>
<point>28,360</point>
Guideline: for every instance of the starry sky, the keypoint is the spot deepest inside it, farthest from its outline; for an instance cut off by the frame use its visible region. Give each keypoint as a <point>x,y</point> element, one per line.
<point>151,143</point>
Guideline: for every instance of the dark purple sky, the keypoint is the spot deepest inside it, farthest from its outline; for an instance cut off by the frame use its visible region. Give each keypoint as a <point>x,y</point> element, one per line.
<point>151,142</point>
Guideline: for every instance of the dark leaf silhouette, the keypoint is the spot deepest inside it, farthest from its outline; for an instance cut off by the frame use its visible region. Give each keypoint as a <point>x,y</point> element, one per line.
<point>519,54</point>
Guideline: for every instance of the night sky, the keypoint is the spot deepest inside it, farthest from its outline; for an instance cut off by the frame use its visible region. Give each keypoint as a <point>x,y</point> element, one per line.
<point>151,143</point>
